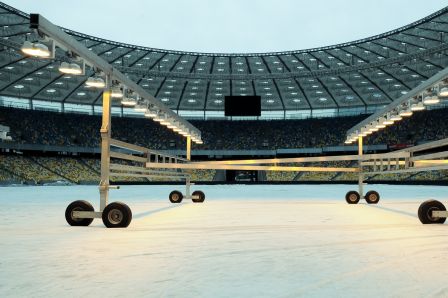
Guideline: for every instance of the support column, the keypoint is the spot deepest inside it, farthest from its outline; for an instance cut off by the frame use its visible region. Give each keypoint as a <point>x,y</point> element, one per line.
<point>360,174</point>
<point>187,180</point>
<point>189,148</point>
<point>105,145</point>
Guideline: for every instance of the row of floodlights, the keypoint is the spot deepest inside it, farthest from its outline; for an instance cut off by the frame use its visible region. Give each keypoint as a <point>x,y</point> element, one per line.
<point>418,103</point>
<point>128,98</point>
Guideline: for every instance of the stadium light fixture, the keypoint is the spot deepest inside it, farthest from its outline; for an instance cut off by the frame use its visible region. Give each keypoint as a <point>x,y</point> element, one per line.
<point>38,49</point>
<point>405,110</point>
<point>151,113</point>
<point>176,127</point>
<point>417,107</point>
<point>95,82</point>
<point>395,116</point>
<point>388,120</point>
<point>431,98</point>
<point>185,132</point>
<point>140,107</point>
<point>443,91</point>
<point>373,128</point>
<point>197,139</point>
<point>380,123</point>
<point>128,101</point>
<point>159,117</point>
<point>116,92</point>
<point>71,68</point>
<point>364,132</point>
<point>443,88</point>
<point>165,121</point>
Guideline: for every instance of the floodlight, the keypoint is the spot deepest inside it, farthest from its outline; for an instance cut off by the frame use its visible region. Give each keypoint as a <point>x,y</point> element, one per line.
<point>431,100</point>
<point>140,107</point>
<point>35,49</point>
<point>150,113</point>
<point>95,82</point>
<point>159,117</point>
<point>388,120</point>
<point>406,113</point>
<point>380,123</point>
<point>70,68</point>
<point>373,128</point>
<point>128,101</point>
<point>185,132</point>
<point>417,107</point>
<point>443,92</point>
<point>396,117</point>
<point>165,121</point>
<point>364,132</point>
<point>116,92</point>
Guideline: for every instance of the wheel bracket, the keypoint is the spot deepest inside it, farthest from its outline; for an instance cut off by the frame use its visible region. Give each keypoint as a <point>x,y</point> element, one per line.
<point>86,214</point>
<point>439,214</point>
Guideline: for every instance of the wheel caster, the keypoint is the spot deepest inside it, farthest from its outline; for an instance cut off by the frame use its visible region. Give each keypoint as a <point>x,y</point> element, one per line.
<point>78,206</point>
<point>117,215</point>
<point>352,197</point>
<point>176,196</point>
<point>201,196</point>
<point>425,212</point>
<point>372,197</point>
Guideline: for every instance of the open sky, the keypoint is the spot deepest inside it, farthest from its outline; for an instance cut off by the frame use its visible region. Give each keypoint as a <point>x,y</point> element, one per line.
<point>231,26</point>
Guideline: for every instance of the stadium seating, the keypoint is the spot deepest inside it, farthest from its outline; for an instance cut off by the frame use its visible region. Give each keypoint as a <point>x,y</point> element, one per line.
<point>44,169</point>
<point>50,128</point>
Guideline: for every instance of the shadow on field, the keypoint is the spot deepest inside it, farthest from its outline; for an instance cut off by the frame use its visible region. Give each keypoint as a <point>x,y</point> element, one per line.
<point>414,215</point>
<point>151,212</point>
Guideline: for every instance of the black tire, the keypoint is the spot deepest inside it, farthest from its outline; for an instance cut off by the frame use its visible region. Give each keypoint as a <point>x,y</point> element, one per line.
<point>425,212</point>
<point>176,196</point>
<point>372,197</point>
<point>117,215</point>
<point>78,206</point>
<point>352,197</point>
<point>201,196</point>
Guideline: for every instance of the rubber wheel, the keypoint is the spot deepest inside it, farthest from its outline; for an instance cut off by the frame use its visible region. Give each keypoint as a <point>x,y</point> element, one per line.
<point>117,215</point>
<point>425,212</point>
<point>352,197</point>
<point>78,206</point>
<point>201,196</point>
<point>176,196</point>
<point>372,197</point>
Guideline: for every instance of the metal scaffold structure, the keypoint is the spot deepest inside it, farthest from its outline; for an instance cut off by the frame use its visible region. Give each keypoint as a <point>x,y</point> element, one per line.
<point>114,85</point>
<point>119,158</point>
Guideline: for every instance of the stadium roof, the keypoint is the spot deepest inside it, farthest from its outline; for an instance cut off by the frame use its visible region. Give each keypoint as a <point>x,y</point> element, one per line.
<point>365,73</point>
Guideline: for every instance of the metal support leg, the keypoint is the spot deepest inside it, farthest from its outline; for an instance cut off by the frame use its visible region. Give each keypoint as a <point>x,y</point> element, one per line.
<point>187,180</point>
<point>361,174</point>
<point>105,146</point>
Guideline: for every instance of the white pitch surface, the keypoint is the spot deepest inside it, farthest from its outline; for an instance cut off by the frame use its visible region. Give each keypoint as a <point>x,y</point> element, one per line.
<point>244,241</point>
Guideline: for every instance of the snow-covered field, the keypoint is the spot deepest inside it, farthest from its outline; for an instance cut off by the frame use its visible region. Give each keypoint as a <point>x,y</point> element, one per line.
<point>244,241</point>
